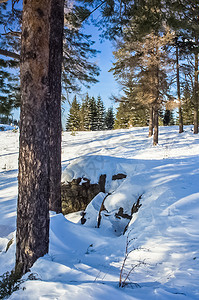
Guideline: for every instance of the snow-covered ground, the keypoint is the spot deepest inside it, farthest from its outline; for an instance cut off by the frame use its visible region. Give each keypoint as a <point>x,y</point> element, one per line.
<point>84,261</point>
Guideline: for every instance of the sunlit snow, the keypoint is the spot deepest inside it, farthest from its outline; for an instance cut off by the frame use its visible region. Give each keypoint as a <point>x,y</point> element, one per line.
<point>84,261</point>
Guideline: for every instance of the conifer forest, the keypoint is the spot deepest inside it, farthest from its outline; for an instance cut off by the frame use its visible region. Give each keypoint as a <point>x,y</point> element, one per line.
<point>91,115</point>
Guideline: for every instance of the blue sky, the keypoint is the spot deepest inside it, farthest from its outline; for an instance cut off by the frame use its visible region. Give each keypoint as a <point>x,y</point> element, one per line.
<point>107,84</point>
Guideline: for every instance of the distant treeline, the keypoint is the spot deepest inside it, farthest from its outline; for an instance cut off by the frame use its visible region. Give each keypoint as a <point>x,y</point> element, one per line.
<point>89,115</point>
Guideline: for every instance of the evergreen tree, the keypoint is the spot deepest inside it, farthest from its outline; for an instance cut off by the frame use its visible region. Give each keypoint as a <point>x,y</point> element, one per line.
<point>109,119</point>
<point>139,116</point>
<point>179,89</point>
<point>131,114</point>
<point>78,52</point>
<point>78,67</point>
<point>123,116</point>
<point>74,120</point>
<point>142,64</point>
<point>168,118</point>
<point>54,103</point>
<point>84,113</point>
<point>136,112</point>
<point>100,113</point>
<point>9,67</point>
<point>188,105</point>
<point>117,15</point>
<point>185,20</point>
<point>9,87</point>
<point>10,44</point>
<point>92,114</point>
<point>32,236</point>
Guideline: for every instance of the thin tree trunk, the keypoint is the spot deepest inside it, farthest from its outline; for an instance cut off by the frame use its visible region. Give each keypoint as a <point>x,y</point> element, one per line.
<point>54,106</point>
<point>32,237</point>
<point>155,136</point>
<point>150,121</point>
<point>156,103</point>
<point>195,117</point>
<point>178,91</point>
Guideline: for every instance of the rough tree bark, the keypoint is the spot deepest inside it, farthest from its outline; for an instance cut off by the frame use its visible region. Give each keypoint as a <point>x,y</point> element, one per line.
<point>178,91</point>
<point>32,237</point>
<point>150,120</point>
<point>156,125</point>
<point>156,102</point>
<point>54,105</point>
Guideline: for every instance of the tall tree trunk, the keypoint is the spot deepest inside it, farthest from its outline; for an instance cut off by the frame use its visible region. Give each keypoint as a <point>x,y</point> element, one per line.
<point>155,136</point>
<point>32,237</point>
<point>195,117</point>
<point>178,91</point>
<point>54,105</point>
<point>151,120</point>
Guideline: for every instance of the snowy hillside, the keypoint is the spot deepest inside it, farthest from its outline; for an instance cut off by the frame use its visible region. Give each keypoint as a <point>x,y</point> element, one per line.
<point>162,238</point>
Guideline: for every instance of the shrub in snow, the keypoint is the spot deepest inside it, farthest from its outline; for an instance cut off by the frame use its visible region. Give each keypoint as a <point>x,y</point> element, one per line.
<point>9,283</point>
<point>126,268</point>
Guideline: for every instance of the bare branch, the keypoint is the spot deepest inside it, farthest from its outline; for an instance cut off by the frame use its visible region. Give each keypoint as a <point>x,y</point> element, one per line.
<point>13,3</point>
<point>12,33</point>
<point>88,15</point>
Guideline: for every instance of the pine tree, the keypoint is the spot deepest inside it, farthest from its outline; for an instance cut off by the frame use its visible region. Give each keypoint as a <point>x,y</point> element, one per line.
<point>78,66</point>
<point>32,236</point>
<point>136,112</point>
<point>84,113</point>
<point>78,52</point>
<point>143,64</point>
<point>9,68</point>
<point>100,113</point>
<point>92,114</point>
<point>168,118</point>
<point>9,87</point>
<point>185,20</point>
<point>123,116</point>
<point>188,105</point>
<point>109,119</point>
<point>179,89</point>
<point>74,120</point>
<point>117,15</point>
<point>54,103</point>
